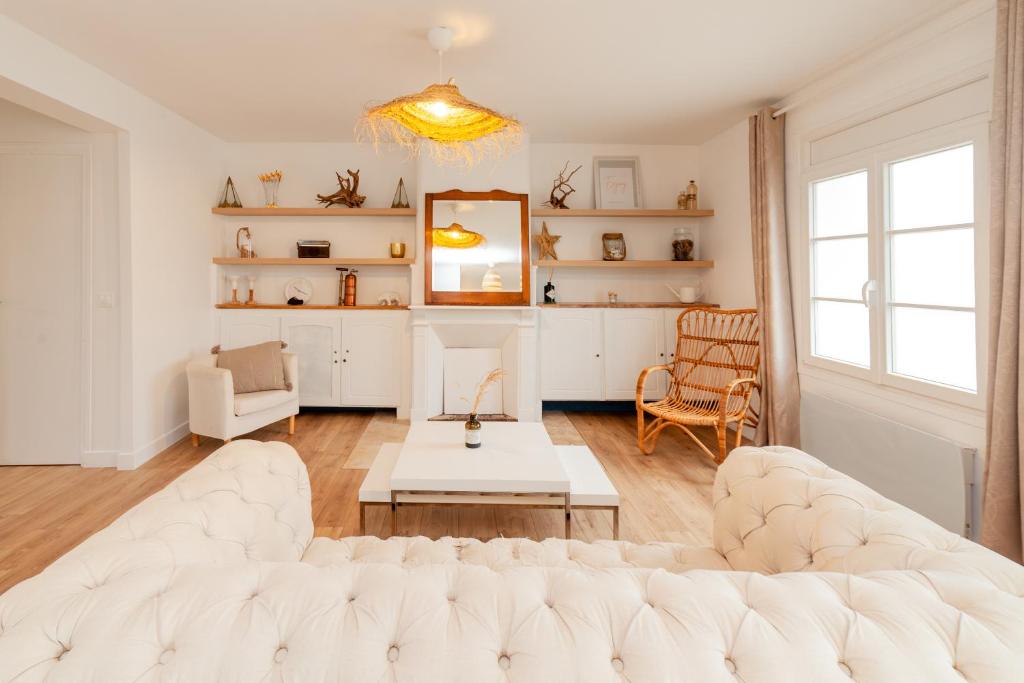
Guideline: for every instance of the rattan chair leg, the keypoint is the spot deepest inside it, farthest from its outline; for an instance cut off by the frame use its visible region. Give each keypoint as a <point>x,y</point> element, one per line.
<point>723,446</point>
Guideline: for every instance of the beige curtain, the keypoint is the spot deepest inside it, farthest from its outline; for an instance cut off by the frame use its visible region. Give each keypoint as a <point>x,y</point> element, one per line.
<point>780,389</point>
<point>1002,524</point>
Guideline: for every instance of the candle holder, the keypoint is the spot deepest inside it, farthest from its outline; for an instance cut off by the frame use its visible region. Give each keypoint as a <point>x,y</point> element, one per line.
<point>398,250</point>
<point>234,290</point>
<point>251,301</point>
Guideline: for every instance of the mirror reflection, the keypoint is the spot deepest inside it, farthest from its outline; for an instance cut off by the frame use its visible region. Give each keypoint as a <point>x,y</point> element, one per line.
<point>477,246</point>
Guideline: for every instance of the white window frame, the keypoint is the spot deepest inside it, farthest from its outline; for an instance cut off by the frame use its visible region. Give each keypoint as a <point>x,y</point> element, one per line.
<point>876,160</point>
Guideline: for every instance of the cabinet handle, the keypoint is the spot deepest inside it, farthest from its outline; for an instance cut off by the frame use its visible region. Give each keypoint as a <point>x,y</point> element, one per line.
<point>343,360</point>
<point>335,362</point>
<point>597,355</point>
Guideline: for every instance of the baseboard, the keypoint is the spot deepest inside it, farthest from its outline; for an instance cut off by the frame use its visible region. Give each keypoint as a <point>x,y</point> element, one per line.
<point>138,457</point>
<point>99,459</point>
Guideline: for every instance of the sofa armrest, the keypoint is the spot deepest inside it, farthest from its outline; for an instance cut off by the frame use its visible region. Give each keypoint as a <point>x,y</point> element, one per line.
<point>291,371</point>
<point>777,509</point>
<point>211,399</point>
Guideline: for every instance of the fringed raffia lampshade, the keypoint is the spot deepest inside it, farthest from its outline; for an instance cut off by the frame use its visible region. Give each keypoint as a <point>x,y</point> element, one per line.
<point>451,127</point>
<point>456,237</point>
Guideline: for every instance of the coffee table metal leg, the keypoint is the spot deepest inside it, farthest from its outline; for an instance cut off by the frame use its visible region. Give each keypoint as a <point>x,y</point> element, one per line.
<point>394,514</point>
<point>568,518</point>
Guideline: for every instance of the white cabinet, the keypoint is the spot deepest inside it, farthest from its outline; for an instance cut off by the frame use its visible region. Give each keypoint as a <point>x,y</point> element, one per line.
<point>633,340</point>
<point>571,345</point>
<point>316,340</point>
<point>371,358</point>
<point>246,329</point>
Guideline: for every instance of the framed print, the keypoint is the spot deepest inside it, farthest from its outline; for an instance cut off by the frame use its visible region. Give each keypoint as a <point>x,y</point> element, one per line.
<point>617,183</point>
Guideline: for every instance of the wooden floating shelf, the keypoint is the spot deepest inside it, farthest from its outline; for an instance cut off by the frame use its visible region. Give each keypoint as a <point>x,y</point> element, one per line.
<point>624,264</point>
<point>622,213</point>
<point>307,307</point>
<point>313,211</point>
<point>235,261</point>
<point>628,304</point>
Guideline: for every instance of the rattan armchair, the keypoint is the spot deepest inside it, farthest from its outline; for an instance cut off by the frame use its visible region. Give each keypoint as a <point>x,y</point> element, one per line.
<point>710,381</point>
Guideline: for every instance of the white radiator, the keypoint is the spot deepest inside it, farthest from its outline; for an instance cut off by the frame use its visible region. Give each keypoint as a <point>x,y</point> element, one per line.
<point>928,474</point>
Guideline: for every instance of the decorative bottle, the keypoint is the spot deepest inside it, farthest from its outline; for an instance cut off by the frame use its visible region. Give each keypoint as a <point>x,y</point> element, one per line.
<point>350,287</point>
<point>472,431</point>
<point>549,293</point>
<point>691,196</point>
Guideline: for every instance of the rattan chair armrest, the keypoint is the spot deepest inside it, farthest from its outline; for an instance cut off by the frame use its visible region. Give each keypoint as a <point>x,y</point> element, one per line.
<point>667,367</point>
<point>729,388</point>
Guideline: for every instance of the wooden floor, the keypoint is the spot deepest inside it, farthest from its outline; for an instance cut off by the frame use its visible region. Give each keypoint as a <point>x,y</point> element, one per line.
<point>46,511</point>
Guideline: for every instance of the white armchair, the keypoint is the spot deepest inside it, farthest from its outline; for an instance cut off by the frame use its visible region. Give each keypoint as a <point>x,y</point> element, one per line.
<point>215,410</point>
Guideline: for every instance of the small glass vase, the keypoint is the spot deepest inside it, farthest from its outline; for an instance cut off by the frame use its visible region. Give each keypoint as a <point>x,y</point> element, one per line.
<point>473,431</point>
<point>270,192</point>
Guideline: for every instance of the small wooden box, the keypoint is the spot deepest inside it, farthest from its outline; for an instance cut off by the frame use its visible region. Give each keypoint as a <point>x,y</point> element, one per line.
<point>313,248</point>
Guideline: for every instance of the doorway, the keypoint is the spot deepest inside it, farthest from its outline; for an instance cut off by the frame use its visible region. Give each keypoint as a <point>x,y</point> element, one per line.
<point>44,216</point>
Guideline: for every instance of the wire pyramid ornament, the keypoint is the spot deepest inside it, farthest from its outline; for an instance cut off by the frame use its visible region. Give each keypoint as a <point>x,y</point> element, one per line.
<point>401,200</point>
<point>230,198</point>
<point>439,120</point>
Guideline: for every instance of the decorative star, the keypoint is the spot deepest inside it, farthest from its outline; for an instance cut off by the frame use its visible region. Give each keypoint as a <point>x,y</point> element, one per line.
<point>546,243</point>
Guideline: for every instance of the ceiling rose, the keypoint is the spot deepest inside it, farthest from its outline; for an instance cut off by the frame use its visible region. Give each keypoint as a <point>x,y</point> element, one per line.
<point>452,128</point>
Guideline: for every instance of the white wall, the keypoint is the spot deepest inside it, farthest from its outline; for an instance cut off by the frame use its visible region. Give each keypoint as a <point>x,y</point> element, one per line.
<point>725,167</point>
<point>664,171</point>
<point>169,175</point>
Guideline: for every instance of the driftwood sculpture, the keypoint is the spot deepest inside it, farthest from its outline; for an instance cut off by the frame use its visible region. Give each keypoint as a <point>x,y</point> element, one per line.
<point>561,189</point>
<point>347,193</point>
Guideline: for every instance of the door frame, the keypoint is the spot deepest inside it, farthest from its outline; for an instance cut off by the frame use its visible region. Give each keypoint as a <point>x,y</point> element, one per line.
<point>84,154</point>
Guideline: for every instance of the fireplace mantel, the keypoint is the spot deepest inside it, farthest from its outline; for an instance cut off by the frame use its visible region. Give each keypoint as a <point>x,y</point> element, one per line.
<point>513,329</point>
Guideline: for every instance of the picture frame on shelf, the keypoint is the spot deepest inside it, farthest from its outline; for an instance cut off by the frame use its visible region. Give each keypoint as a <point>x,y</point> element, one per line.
<point>617,183</point>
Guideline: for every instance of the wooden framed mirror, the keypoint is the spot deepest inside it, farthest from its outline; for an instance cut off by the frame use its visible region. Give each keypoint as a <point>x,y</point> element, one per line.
<point>477,248</point>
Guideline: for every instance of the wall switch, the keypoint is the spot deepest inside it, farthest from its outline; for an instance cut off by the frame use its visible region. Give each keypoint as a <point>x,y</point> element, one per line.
<point>105,300</point>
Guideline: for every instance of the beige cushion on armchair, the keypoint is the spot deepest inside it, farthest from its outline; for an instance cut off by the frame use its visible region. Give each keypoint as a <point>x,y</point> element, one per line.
<point>215,409</point>
<point>255,368</point>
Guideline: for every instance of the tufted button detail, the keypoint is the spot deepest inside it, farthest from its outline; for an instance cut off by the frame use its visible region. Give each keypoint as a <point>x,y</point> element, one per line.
<point>281,653</point>
<point>844,667</point>
<point>393,653</point>
<point>617,664</point>
<point>730,665</point>
<point>64,650</point>
<point>550,603</point>
<point>504,663</point>
<point>451,597</point>
<point>166,656</point>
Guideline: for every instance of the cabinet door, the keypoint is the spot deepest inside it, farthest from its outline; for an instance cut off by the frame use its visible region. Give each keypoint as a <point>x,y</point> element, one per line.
<point>671,316</point>
<point>572,367</point>
<point>239,329</point>
<point>371,358</point>
<point>632,341</point>
<point>316,341</point>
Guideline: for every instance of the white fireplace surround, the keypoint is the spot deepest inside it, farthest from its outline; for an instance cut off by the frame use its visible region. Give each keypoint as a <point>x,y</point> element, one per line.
<point>512,329</point>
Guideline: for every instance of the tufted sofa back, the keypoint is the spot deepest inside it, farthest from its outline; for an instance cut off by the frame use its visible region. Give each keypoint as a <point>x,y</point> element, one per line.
<point>777,509</point>
<point>247,501</point>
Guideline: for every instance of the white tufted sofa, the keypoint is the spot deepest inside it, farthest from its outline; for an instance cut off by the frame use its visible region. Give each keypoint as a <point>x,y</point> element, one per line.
<point>812,577</point>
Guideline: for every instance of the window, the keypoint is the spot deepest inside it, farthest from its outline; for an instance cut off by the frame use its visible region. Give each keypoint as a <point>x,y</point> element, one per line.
<point>892,279</point>
<point>930,234</point>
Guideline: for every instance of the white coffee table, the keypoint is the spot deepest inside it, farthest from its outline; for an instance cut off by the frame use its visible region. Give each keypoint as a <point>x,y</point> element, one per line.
<point>517,465</point>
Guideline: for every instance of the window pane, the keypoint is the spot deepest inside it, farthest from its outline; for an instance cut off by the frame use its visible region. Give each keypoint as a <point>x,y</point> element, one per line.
<point>840,205</point>
<point>841,332</point>
<point>840,267</point>
<point>935,189</point>
<point>934,345</point>
<point>934,268</point>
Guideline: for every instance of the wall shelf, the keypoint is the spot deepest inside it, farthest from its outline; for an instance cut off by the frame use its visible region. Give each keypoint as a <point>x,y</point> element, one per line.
<point>313,211</point>
<point>235,261</point>
<point>307,307</point>
<point>560,263</point>
<point>622,213</point>
<point>627,304</point>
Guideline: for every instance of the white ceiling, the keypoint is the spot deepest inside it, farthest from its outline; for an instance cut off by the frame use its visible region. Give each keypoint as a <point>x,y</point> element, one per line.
<point>645,71</point>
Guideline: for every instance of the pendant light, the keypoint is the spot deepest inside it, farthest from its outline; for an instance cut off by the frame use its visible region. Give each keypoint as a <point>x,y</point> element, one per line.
<point>452,128</point>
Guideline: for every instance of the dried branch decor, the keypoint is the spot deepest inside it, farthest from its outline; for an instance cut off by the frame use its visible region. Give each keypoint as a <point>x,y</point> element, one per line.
<point>486,383</point>
<point>347,193</point>
<point>559,193</point>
